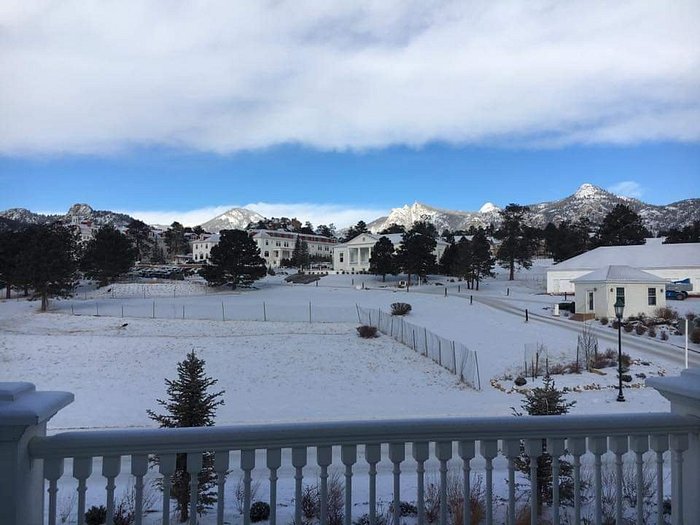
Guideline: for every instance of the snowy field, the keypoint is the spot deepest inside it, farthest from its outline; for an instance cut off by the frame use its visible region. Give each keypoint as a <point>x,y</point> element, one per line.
<point>297,371</point>
<point>290,369</point>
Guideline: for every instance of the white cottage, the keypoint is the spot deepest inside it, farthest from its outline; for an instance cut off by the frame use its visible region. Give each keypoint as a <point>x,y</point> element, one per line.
<point>597,292</point>
<point>669,261</point>
<point>354,256</point>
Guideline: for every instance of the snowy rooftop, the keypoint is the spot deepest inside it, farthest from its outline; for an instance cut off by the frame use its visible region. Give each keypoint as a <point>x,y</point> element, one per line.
<point>619,274</point>
<point>650,255</point>
<point>395,238</point>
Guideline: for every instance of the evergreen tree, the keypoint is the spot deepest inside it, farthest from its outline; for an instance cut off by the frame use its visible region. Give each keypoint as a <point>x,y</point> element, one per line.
<point>107,255</point>
<point>356,230</point>
<point>300,254</point>
<point>140,234</point>
<point>568,239</point>
<point>463,263</point>
<point>415,254</point>
<point>326,231</point>
<point>190,404</point>
<point>11,246</point>
<point>689,233</point>
<point>621,227</point>
<point>383,260</point>
<point>425,227</point>
<point>47,261</point>
<point>517,247</point>
<point>175,240</point>
<point>447,236</point>
<point>448,261</point>
<point>546,400</point>
<point>393,228</point>
<point>234,261</point>
<point>482,261</point>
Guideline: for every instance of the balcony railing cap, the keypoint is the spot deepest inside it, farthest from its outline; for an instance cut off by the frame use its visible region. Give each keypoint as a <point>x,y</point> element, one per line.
<point>683,390</point>
<point>22,405</point>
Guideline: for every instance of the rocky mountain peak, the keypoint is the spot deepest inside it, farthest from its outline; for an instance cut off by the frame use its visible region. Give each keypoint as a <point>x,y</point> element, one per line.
<point>589,191</point>
<point>80,210</point>
<point>488,207</point>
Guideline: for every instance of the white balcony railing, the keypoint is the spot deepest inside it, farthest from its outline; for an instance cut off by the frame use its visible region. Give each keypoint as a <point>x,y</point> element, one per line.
<point>31,464</point>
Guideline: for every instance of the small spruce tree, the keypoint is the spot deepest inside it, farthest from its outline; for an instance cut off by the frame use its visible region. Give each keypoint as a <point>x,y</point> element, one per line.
<point>546,400</point>
<point>190,404</point>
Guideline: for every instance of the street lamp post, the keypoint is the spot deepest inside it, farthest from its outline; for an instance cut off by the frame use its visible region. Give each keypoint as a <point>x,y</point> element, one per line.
<point>619,308</point>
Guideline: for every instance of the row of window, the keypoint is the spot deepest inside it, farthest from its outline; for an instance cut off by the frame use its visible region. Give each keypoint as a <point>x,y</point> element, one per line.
<point>651,295</point>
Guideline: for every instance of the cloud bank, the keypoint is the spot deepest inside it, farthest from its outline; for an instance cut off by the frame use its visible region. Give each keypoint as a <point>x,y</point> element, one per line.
<point>341,216</point>
<point>91,77</point>
<point>627,188</point>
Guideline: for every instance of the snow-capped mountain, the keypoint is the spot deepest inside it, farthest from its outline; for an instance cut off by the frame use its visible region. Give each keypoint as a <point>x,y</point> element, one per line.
<point>81,212</point>
<point>588,201</point>
<point>233,219</point>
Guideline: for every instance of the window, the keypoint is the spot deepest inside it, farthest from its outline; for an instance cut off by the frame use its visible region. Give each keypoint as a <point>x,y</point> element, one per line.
<point>286,244</point>
<point>590,302</point>
<point>267,254</point>
<point>651,295</point>
<point>340,255</point>
<point>277,243</point>
<point>620,294</point>
<point>267,243</point>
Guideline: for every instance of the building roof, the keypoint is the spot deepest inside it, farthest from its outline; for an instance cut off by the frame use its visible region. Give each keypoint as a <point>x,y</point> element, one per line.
<point>395,239</point>
<point>653,254</point>
<point>619,274</point>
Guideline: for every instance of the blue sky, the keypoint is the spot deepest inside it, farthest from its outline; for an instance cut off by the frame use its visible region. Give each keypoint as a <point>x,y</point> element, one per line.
<point>339,111</point>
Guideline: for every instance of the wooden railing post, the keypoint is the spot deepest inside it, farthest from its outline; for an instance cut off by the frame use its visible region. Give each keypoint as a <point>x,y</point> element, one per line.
<point>684,394</point>
<point>23,416</point>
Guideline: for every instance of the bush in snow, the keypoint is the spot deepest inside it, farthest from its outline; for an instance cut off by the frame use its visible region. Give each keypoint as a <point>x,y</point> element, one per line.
<point>367,332</point>
<point>400,308</point>
<point>652,331</point>
<point>628,327</point>
<point>259,511</point>
<point>695,336</point>
<point>96,515</point>
<point>603,321</point>
<point>640,329</point>
<point>666,313</point>
<point>664,335</point>
<point>520,381</point>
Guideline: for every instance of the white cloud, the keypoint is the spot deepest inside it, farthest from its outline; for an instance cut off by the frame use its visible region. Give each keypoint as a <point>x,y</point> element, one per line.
<point>341,216</point>
<point>223,76</point>
<point>627,188</point>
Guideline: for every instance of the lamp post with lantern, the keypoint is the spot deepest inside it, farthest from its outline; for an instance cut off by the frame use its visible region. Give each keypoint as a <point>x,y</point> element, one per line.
<point>619,309</point>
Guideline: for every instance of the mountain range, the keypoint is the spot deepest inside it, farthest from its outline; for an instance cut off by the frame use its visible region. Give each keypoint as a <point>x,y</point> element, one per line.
<point>588,201</point>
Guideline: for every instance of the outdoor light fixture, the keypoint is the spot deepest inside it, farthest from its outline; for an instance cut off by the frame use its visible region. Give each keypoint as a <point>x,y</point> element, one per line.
<point>619,309</point>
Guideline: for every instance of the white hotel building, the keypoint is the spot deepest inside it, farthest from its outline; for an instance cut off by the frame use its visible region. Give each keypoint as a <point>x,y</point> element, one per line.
<point>274,245</point>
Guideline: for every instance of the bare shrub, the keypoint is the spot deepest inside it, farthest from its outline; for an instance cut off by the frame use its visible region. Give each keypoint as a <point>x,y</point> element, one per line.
<point>628,327</point>
<point>604,320</point>
<point>587,345</point>
<point>66,507</point>
<point>367,332</point>
<point>239,494</point>
<point>311,501</point>
<point>455,500</point>
<point>664,335</point>
<point>695,336</point>
<point>651,332</point>
<point>400,308</point>
<point>666,313</point>
<point>640,329</point>
<point>690,316</point>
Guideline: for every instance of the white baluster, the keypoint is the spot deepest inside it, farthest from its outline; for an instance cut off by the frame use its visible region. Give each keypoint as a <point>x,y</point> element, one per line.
<point>443,451</point>
<point>111,466</point>
<point>348,455</point>
<point>373,454</point>
<point>618,446</point>
<point>53,470</point>
<point>598,446</point>
<point>489,450</point>
<point>299,457</point>
<point>679,444</point>
<point>221,465</point>
<point>194,465</point>
<point>533,448</point>
<point>659,444</point>
<point>274,461</point>
<point>166,466</point>
<point>324,457</point>
<point>247,466</point>
<point>639,445</point>
<point>466,452</point>
<point>420,454</point>
<point>139,467</point>
<point>397,453</point>
<point>577,448</point>
<point>82,468</point>
<point>511,450</point>
<point>555,448</point>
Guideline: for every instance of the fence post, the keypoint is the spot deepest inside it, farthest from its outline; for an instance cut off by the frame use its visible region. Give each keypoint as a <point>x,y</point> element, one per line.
<point>72,312</point>
<point>153,313</point>
<point>97,309</point>
<point>478,375</point>
<point>264,312</point>
<point>684,394</point>
<point>23,416</point>
<point>309,311</point>
<point>183,311</point>
<point>122,311</point>
<point>445,291</point>
<point>223,312</point>
<point>471,299</point>
<point>527,317</point>
<point>454,358</point>
<point>359,320</point>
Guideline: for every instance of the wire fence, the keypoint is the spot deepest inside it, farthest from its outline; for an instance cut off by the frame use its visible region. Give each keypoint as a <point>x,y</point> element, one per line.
<point>453,356</point>
<point>210,310</point>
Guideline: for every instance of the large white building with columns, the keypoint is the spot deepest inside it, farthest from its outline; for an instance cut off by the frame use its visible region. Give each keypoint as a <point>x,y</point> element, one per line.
<point>354,255</point>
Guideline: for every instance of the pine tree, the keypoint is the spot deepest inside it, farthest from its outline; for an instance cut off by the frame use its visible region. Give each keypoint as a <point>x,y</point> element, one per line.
<point>190,404</point>
<point>383,260</point>
<point>140,234</point>
<point>108,255</point>
<point>235,261</point>
<point>546,400</point>
<point>482,260</point>
<point>48,263</point>
<point>354,231</point>
<point>517,247</point>
<point>621,227</point>
<point>448,261</point>
<point>175,239</point>
<point>415,254</point>
<point>300,254</point>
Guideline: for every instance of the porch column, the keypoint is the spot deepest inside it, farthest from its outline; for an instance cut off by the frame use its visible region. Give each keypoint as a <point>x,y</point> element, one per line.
<point>23,415</point>
<point>684,394</point>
